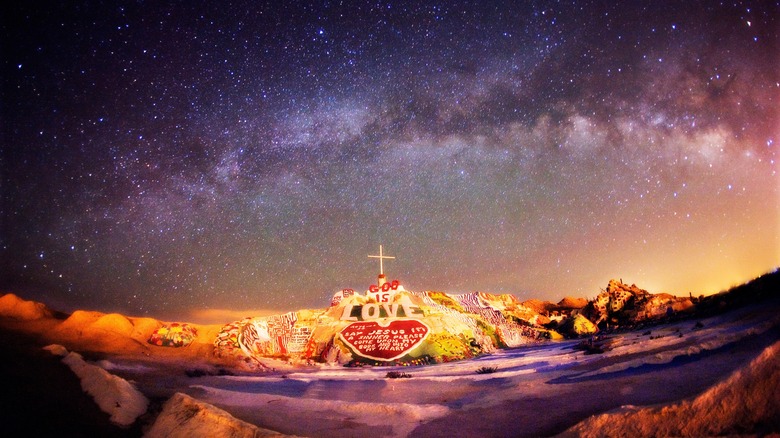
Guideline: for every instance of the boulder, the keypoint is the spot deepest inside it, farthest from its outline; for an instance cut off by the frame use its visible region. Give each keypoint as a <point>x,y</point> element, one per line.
<point>578,325</point>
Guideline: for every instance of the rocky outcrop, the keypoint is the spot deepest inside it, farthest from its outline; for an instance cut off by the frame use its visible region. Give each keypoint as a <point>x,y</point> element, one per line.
<point>621,304</point>
<point>186,417</point>
<point>578,325</point>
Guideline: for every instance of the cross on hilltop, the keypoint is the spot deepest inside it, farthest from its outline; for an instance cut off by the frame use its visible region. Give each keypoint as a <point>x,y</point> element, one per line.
<point>381,258</point>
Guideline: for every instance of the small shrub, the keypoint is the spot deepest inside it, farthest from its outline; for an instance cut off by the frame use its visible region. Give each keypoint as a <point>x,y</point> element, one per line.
<point>397,375</point>
<point>225,372</point>
<point>196,373</point>
<point>487,370</point>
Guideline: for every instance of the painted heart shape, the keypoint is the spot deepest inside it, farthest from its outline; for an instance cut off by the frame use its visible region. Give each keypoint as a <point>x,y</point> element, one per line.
<point>384,342</point>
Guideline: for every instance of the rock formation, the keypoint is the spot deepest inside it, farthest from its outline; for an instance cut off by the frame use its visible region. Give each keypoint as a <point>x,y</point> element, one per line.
<point>621,305</point>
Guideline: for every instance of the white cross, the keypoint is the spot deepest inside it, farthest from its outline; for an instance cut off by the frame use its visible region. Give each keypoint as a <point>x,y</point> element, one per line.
<point>381,257</point>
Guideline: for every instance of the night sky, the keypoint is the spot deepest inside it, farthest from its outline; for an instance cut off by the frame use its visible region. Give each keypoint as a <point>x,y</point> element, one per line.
<point>159,158</point>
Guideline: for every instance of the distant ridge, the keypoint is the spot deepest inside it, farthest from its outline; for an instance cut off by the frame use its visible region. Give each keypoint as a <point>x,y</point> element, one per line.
<point>11,306</point>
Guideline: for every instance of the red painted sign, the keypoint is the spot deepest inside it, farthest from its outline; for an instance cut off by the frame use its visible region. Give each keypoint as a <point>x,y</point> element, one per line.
<point>393,285</point>
<point>340,295</point>
<point>384,342</point>
<point>387,290</point>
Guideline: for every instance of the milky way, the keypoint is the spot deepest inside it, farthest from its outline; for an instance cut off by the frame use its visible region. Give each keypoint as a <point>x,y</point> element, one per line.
<point>158,158</point>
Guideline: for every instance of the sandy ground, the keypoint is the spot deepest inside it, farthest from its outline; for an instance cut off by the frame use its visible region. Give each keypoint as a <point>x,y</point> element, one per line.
<point>535,391</point>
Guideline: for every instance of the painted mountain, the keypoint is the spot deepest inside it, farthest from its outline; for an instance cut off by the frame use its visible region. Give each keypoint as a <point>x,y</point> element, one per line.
<point>388,327</point>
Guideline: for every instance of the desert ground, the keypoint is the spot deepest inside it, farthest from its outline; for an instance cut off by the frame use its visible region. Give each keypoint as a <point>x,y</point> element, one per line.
<point>712,374</point>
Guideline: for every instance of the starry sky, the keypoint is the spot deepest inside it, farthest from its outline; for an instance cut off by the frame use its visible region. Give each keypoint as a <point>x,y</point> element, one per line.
<point>163,157</point>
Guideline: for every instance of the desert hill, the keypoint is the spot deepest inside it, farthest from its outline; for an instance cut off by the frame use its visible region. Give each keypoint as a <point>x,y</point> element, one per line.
<point>572,303</point>
<point>537,305</point>
<point>100,333</point>
<point>11,306</point>
<point>566,305</point>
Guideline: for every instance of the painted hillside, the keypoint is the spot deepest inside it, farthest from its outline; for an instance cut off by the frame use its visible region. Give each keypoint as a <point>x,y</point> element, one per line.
<point>388,327</point>
<point>393,326</point>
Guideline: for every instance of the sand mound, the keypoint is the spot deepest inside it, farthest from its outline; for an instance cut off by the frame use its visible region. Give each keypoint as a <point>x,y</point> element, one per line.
<point>11,306</point>
<point>96,331</point>
<point>184,416</point>
<point>536,305</point>
<point>144,327</point>
<point>114,322</point>
<point>748,402</point>
<point>573,303</point>
<point>81,319</point>
<point>119,334</point>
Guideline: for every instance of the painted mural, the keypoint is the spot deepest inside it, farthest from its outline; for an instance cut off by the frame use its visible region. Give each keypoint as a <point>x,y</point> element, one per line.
<point>274,336</point>
<point>340,295</point>
<point>173,335</point>
<point>505,313</point>
<point>384,342</point>
<point>226,342</point>
<point>386,327</point>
